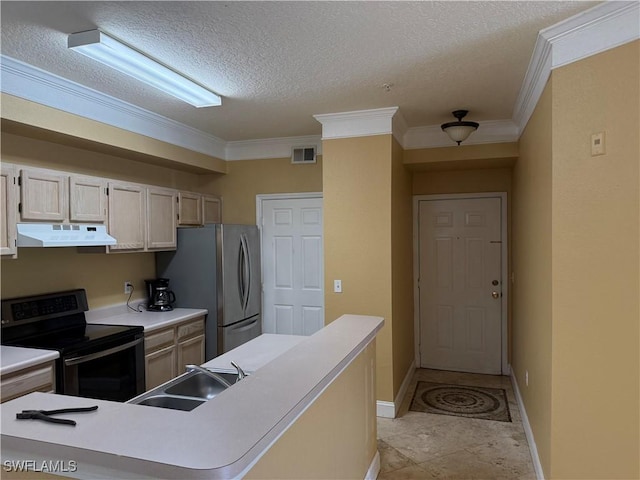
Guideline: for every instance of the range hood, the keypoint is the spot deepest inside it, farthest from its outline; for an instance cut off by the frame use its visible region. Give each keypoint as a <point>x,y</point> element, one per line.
<point>74,235</point>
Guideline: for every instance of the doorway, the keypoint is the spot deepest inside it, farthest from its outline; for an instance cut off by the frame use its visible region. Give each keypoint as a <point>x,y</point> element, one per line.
<point>291,235</point>
<point>461,289</point>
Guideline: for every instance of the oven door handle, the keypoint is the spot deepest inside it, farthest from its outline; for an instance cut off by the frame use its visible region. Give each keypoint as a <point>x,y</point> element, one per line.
<point>93,356</point>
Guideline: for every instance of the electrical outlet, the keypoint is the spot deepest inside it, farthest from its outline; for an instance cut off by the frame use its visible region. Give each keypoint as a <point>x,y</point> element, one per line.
<point>337,286</point>
<point>128,288</point>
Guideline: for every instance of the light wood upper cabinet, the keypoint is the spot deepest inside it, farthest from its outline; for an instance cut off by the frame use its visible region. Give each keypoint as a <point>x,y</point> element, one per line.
<point>127,216</point>
<point>189,208</point>
<point>8,214</point>
<point>87,199</point>
<point>43,195</point>
<point>161,219</point>
<point>211,209</point>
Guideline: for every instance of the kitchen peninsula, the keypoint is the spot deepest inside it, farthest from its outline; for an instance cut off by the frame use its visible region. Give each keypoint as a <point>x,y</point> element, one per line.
<point>308,412</point>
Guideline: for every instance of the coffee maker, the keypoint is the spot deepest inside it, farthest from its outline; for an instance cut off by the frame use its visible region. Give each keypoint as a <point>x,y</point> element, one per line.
<point>159,297</point>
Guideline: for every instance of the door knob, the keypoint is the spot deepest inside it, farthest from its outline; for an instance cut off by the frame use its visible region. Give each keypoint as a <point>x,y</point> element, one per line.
<point>495,294</point>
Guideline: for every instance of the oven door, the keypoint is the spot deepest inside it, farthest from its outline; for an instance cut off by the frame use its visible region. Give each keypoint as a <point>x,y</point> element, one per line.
<point>111,371</point>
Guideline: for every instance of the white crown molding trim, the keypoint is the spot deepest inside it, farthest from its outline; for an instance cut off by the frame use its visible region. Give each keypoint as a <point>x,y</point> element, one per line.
<point>25,81</point>
<point>603,27</point>
<point>399,127</point>
<point>360,123</point>
<point>432,136</point>
<point>270,147</point>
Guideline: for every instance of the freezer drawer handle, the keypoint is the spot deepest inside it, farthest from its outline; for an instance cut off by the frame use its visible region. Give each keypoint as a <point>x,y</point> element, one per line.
<point>246,327</point>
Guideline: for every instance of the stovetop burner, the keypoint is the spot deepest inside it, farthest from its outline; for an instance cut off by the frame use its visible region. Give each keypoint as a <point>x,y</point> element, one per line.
<point>55,321</point>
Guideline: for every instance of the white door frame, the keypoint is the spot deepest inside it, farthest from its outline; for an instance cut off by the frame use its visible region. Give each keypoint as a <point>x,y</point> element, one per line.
<point>504,256</point>
<point>260,199</point>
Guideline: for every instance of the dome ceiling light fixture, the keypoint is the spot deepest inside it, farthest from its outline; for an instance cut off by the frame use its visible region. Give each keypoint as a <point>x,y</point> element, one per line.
<point>459,131</point>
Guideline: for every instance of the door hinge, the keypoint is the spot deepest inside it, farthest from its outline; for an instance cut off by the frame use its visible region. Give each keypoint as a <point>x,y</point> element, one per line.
<point>19,181</point>
<point>20,207</point>
<point>107,191</point>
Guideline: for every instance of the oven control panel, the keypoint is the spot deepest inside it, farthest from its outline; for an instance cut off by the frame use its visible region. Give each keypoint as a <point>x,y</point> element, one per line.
<point>41,307</point>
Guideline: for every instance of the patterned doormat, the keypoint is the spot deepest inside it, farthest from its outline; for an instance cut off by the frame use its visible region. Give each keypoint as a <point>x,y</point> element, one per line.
<point>461,401</point>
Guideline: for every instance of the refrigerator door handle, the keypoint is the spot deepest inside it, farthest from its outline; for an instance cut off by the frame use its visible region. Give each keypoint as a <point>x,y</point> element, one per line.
<point>247,261</point>
<point>241,273</point>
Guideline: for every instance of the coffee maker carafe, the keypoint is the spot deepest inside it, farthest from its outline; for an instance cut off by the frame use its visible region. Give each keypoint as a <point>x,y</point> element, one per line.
<point>159,297</point>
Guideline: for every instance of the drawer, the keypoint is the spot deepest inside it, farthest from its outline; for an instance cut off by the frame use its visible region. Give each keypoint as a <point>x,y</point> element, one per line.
<point>156,340</point>
<point>35,379</point>
<point>190,329</point>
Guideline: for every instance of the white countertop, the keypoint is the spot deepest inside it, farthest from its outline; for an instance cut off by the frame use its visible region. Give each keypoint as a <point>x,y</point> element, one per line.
<point>121,315</point>
<point>219,439</point>
<point>13,359</point>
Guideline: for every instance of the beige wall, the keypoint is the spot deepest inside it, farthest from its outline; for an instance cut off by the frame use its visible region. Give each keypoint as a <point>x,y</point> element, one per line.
<point>596,281</point>
<point>462,181</point>
<point>247,178</point>
<point>577,269</point>
<point>335,438</point>
<point>401,267</point>
<point>357,238</point>
<point>531,261</point>
<point>44,270</point>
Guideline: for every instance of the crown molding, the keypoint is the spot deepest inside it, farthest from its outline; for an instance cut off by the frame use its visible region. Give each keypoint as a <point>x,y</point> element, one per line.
<point>359,123</point>
<point>603,27</point>
<point>30,83</point>
<point>432,136</point>
<point>270,147</point>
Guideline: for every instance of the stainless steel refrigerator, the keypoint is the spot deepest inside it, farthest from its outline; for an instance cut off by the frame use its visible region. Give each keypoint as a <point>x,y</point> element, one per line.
<point>217,267</point>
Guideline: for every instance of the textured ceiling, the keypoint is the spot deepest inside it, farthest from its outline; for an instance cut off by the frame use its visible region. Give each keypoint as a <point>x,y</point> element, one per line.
<point>278,63</point>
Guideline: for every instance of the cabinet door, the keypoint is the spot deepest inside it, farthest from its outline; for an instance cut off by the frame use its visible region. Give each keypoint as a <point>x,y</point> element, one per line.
<point>190,352</point>
<point>160,366</point>
<point>211,209</point>
<point>190,208</point>
<point>127,215</point>
<point>161,219</point>
<point>43,195</point>
<point>39,378</point>
<point>87,199</point>
<point>9,208</point>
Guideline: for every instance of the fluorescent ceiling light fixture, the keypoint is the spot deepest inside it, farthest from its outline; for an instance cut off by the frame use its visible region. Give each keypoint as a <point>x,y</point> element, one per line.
<point>111,52</point>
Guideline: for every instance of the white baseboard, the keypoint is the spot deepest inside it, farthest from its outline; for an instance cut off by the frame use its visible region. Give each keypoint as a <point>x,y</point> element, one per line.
<point>390,409</point>
<point>537,466</point>
<point>374,468</point>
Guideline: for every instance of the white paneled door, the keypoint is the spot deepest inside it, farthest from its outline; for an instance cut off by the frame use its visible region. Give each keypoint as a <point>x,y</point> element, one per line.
<point>293,266</point>
<point>460,284</point>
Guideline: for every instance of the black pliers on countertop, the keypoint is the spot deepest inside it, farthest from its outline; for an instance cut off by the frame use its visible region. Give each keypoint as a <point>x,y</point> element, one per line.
<point>45,414</point>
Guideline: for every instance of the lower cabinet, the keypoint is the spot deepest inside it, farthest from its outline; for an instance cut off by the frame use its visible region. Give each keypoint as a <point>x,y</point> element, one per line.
<point>39,378</point>
<point>168,350</point>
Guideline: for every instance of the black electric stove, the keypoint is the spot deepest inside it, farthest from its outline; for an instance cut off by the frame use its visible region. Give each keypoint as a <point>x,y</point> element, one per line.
<point>97,361</point>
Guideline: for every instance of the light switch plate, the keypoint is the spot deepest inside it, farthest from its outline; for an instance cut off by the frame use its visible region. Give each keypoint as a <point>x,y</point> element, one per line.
<point>337,286</point>
<point>597,144</point>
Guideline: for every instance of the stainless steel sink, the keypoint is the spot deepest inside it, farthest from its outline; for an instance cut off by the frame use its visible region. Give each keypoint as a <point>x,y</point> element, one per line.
<point>200,385</point>
<point>186,392</point>
<point>174,403</point>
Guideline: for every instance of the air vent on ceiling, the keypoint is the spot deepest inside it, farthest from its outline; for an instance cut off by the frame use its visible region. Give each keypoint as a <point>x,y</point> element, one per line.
<point>304,155</point>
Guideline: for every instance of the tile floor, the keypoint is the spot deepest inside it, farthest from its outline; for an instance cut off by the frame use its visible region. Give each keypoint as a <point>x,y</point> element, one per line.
<point>419,446</point>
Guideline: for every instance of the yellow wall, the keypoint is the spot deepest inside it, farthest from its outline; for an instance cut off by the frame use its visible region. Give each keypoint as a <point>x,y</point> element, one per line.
<point>44,270</point>
<point>462,181</point>
<point>401,268</point>
<point>531,291</point>
<point>247,178</point>
<point>577,269</point>
<point>596,281</point>
<point>335,438</point>
<point>357,238</point>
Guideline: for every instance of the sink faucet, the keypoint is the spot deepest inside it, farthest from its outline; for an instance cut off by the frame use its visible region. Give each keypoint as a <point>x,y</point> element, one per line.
<point>214,375</point>
<point>241,373</point>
